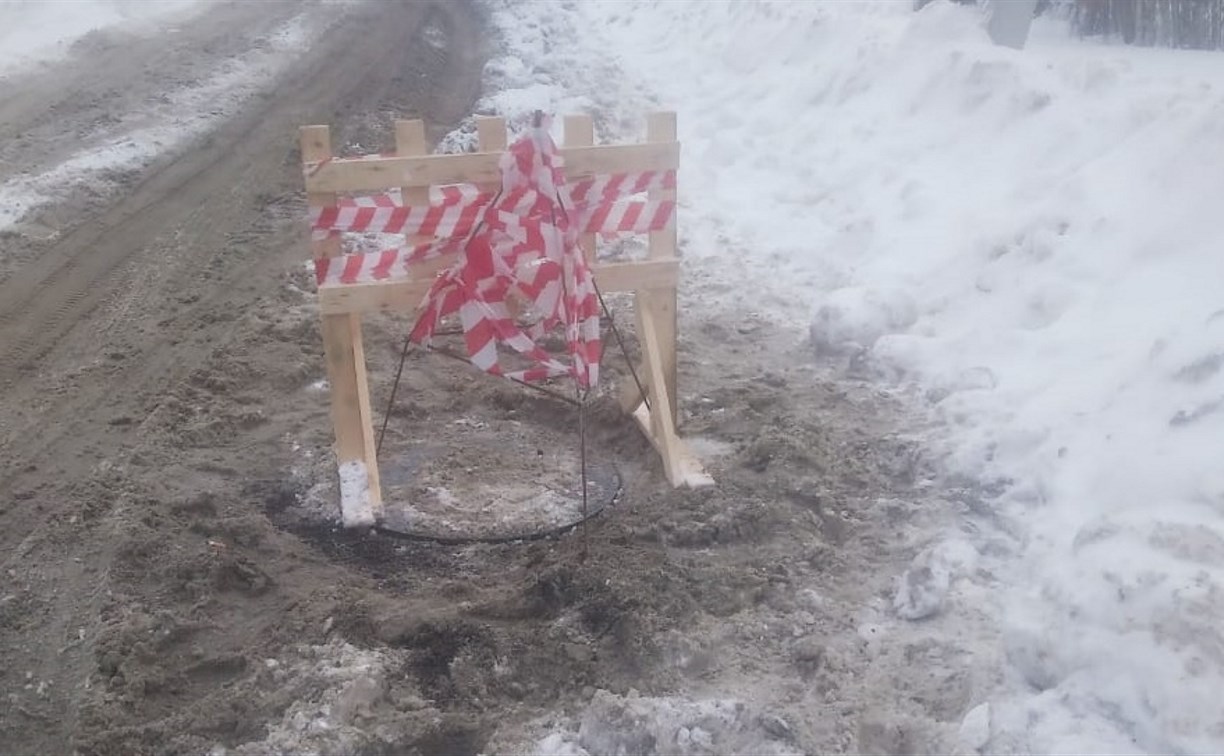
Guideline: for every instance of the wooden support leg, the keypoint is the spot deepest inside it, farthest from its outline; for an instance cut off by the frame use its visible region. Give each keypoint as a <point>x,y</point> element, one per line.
<point>662,428</point>
<point>661,303</point>
<point>679,464</point>
<point>360,491</point>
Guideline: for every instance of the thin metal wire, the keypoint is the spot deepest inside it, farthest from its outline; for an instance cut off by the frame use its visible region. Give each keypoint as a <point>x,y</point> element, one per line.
<point>578,391</point>
<point>534,387</point>
<point>582,467</point>
<point>624,350</point>
<point>581,396</point>
<point>399,371</point>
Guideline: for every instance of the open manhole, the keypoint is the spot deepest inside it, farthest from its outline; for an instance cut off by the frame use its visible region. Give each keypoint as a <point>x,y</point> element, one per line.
<point>493,484</point>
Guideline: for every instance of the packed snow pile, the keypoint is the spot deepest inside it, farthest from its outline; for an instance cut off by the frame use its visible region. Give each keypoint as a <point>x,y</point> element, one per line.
<point>35,31</point>
<point>1027,241</point>
<point>642,725</point>
<point>339,699</point>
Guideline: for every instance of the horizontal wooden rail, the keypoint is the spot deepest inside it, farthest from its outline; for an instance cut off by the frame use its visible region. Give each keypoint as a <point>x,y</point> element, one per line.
<point>407,295</point>
<point>382,173</point>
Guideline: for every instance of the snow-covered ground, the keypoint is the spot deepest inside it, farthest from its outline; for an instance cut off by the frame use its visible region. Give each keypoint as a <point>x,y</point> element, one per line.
<point>39,31</point>
<point>1024,242</point>
<point>162,126</point>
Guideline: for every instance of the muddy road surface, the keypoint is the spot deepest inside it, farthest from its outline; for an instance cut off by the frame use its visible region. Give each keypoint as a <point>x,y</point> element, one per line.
<point>172,580</point>
<point>115,299</point>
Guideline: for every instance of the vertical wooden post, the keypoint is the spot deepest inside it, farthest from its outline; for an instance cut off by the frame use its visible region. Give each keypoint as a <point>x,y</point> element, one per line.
<point>410,140</point>
<point>580,132</point>
<point>658,424</point>
<point>491,136</point>
<point>661,303</point>
<point>360,492</point>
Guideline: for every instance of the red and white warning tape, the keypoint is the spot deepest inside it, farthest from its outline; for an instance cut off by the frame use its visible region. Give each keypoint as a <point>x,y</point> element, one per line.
<point>524,238</point>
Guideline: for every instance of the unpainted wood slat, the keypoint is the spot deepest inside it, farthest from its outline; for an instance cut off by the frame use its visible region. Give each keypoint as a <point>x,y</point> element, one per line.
<point>343,350</point>
<point>661,128</point>
<point>406,295</point>
<point>380,174</point>
<point>580,132</point>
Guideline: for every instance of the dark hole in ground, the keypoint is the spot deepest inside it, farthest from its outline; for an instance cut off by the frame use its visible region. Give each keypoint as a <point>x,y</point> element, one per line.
<point>437,645</point>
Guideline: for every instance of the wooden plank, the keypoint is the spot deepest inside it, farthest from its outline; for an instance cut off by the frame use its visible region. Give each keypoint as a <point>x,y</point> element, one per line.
<point>407,295</point>
<point>491,133</point>
<point>661,128</point>
<point>345,357</point>
<point>378,174</point>
<point>410,142</point>
<point>315,143</point>
<point>580,132</point>
<point>491,137</point>
<point>662,429</point>
<point>692,472</point>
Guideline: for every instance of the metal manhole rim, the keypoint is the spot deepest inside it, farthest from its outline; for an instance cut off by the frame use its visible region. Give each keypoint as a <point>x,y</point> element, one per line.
<point>536,535</point>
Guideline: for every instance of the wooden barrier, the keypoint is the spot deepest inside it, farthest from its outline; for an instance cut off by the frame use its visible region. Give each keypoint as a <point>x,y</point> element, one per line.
<point>653,281</point>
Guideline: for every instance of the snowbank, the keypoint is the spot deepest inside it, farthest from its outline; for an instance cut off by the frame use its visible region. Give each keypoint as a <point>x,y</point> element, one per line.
<point>35,31</point>
<point>1030,238</point>
<point>636,724</point>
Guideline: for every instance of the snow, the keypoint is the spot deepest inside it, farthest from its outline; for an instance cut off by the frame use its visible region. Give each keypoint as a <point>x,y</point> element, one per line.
<point>356,509</point>
<point>974,732</point>
<point>1022,242</point>
<point>36,31</point>
<point>621,725</point>
<point>336,688</point>
<point>923,587</point>
<point>186,113</point>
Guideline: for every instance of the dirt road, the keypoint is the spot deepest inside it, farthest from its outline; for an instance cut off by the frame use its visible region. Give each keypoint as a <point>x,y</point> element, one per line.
<point>168,585</point>
<point>113,304</point>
